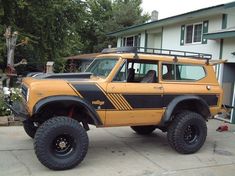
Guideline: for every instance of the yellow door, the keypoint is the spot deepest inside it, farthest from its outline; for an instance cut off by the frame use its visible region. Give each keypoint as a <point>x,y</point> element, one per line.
<point>137,101</point>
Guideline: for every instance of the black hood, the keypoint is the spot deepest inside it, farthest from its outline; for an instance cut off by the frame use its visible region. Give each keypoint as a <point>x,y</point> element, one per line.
<point>66,76</point>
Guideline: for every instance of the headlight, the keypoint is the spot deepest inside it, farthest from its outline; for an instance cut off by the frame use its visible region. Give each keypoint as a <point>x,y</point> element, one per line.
<point>27,96</point>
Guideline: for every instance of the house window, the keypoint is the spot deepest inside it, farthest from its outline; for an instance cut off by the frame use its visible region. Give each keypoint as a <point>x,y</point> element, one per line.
<point>131,41</point>
<point>128,41</point>
<point>189,34</point>
<point>193,33</point>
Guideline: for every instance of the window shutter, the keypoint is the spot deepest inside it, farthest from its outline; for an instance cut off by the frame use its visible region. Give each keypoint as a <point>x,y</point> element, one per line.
<point>146,41</point>
<point>124,41</point>
<point>204,30</point>
<point>139,39</point>
<point>136,40</point>
<point>182,35</point>
<point>224,21</point>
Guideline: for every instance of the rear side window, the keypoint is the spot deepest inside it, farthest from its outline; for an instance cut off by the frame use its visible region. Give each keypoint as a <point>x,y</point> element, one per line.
<point>182,72</point>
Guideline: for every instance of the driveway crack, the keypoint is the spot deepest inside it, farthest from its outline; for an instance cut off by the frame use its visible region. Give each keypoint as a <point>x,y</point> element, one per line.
<point>145,156</point>
<point>202,167</point>
<point>20,161</point>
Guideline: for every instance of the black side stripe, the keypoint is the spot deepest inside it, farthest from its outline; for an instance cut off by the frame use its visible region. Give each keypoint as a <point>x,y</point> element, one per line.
<point>138,101</point>
<point>144,101</point>
<point>211,100</point>
<point>92,92</point>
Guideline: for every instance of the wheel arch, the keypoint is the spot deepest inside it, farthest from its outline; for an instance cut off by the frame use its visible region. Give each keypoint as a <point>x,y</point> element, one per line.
<point>42,105</point>
<point>186,102</point>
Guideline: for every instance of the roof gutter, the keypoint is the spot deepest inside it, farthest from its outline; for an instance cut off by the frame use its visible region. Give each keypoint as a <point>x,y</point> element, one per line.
<point>167,21</point>
<point>219,35</point>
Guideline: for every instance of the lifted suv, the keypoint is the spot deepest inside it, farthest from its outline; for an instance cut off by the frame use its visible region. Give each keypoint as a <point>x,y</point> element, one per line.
<point>176,93</point>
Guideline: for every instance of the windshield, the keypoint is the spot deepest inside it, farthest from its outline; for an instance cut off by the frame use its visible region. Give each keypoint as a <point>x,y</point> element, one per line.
<point>77,65</point>
<point>102,67</point>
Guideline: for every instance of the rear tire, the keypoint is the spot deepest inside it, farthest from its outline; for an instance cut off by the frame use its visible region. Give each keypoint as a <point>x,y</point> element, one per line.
<point>61,143</point>
<point>29,128</point>
<point>187,132</point>
<point>143,130</point>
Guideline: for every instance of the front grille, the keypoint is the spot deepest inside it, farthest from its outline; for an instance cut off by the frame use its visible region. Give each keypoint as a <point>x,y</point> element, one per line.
<point>24,91</point>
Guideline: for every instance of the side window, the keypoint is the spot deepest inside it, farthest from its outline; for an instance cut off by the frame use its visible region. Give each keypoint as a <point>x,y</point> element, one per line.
<point>182,72</point>
<point>134,71</point>
<point>168,72</point>
<point>191,72</point>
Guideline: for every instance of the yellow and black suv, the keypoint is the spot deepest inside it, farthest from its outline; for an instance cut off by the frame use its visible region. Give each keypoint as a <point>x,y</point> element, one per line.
<point>143,88</point>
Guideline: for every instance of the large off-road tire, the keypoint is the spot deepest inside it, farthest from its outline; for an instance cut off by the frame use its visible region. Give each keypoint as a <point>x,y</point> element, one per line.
<point>29,128</point>
<point>61,143</point>
<point>143,130</point>
<point>187,132</point>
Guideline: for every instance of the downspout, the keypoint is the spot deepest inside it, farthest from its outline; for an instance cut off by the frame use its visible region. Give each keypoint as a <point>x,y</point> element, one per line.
<point>162,37</point>
<point>146,41</point>
<point>221,66</point>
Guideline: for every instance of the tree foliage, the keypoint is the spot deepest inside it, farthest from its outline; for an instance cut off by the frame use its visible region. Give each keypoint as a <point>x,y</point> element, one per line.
<point>106,16</point>
<point>59,28</point>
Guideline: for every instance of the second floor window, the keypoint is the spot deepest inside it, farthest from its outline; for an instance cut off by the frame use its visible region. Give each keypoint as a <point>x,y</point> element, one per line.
<point>193,33</point>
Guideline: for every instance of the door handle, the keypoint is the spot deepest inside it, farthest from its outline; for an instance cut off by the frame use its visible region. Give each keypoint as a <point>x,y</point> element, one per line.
<point>208,87</point>
<point>158,87</point>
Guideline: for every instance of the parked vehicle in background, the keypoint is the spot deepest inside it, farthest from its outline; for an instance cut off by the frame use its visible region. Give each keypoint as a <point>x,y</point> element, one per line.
<point>73,64</point>
<point>79,63</point>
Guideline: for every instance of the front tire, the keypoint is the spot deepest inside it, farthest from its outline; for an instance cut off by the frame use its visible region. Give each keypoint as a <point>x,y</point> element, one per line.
<point>187,132</point>
<point>143,130</point>
<point>61,143</point>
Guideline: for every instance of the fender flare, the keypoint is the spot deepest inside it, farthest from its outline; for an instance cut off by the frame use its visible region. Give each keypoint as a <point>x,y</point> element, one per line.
<point>171,106</point>
<point>63,98</point>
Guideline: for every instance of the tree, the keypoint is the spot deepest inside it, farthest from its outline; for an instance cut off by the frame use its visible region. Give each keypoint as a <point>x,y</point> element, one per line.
<point>127,13</point>
<point>50,26</point>
<point>59,28</point>
<point>105,16</point>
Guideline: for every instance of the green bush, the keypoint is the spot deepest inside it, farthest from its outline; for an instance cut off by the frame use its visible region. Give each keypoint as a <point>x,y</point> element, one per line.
<point>4,110</point>
<point>15,96</point>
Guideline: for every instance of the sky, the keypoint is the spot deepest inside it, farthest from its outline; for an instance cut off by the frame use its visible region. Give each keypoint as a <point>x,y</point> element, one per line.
<point>167,8</point>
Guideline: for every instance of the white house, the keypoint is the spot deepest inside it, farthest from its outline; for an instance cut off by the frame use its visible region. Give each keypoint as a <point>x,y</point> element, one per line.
<point>209,30</point>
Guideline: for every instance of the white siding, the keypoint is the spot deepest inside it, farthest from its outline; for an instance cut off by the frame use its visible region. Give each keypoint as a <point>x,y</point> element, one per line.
<point>154,40</point>
<point>171,38</point>
<point>215,23</point>
<point>142,39</point>
<point>231,20</point>
<point>119,42</point>
<point>229,47</point>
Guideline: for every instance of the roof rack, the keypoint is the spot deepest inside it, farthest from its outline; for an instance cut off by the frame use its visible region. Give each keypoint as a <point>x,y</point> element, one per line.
<point>157,51</point>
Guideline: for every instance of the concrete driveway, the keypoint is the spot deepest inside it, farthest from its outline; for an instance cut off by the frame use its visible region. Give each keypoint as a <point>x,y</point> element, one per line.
<point>121,152</point>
